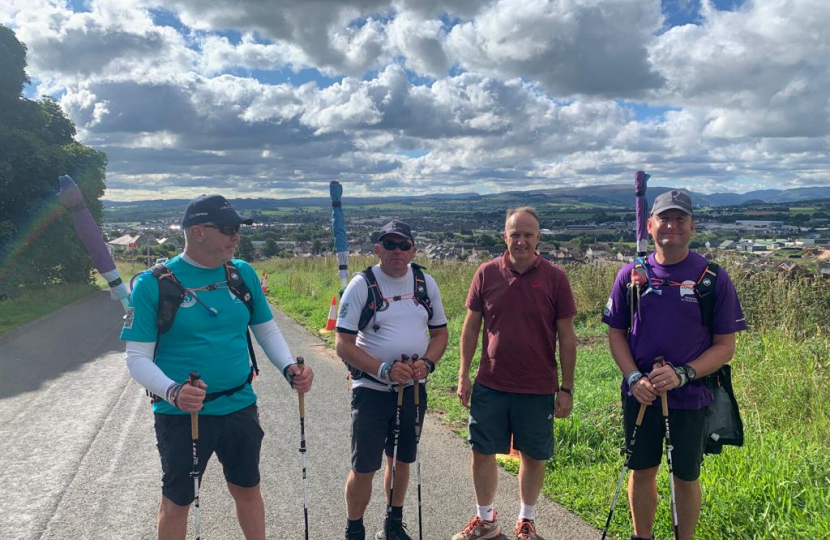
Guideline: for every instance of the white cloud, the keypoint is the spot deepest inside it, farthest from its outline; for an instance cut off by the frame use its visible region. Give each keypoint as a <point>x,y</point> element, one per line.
<point>414,96</point>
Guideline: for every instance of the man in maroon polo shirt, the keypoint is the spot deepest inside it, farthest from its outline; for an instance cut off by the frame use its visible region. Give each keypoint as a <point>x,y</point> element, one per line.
<point>526,305</point>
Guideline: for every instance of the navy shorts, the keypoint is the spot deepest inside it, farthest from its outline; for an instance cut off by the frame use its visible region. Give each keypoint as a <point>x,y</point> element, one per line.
<point>688,434</point>
<point>496,415</point>
<point>373,425</point>
<point>236,438</point>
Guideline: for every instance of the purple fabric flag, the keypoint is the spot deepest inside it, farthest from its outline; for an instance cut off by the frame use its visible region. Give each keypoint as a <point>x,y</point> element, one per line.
<point>72,199</point>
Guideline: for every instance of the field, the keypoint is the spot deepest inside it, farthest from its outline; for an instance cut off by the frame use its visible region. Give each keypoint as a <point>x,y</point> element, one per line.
<point>775,487</point>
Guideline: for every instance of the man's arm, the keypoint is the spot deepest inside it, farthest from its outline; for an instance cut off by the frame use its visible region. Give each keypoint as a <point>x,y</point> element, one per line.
<point>349,352</point>
<point>567,362</point>
<point>721,352</point>
<point>643,389</point>
<point>438,339</point>
<point>469,341</point>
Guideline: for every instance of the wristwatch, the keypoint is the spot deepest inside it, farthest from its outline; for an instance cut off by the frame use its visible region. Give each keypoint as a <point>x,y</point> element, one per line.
<point>566,390</point>
<point>691,374</point>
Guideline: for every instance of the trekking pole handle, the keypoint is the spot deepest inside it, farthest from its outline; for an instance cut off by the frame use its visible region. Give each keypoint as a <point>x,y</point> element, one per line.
<point>402,387</point>
<point>301,365</point>
<point>415,384</point>
<point>660,362</point>
<point>194,416</point>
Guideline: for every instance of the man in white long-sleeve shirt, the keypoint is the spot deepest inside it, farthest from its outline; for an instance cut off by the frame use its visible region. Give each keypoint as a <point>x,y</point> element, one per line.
<point>208,335</point>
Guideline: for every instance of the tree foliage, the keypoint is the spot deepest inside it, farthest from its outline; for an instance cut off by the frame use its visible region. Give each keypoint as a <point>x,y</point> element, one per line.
<point>38,243</point>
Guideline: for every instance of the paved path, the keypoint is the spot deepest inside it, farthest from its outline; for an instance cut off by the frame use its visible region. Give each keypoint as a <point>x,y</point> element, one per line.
<point>78,458</point>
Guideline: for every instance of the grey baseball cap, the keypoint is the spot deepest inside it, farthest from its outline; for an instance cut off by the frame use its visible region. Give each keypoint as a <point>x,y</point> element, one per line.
<point>672,200</point>
<point>396,227</point>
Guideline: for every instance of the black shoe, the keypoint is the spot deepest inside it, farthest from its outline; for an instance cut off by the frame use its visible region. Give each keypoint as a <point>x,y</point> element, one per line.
<point>355,535</point>
<point>396,532</point>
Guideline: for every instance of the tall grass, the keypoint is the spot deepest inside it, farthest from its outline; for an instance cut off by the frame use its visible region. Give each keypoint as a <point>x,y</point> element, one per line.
<point>775,487</point>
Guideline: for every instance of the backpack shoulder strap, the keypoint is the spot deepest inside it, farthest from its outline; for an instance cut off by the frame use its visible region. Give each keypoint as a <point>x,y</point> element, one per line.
<point>241,290</point>
<point>374,298</point>
<point>238,286</point>
<point>705,292</point>
<point>421,294</point>
<point>171,296</point>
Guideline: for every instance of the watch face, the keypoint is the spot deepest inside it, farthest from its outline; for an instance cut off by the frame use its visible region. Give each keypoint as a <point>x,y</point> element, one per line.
<point>690,372</point>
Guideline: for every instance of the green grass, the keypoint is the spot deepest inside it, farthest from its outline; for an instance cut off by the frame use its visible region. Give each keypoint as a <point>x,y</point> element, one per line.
<point>33,304</point>
<point>776,487</point>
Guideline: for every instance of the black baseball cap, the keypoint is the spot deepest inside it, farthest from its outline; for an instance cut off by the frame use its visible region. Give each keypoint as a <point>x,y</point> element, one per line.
<point>672,200</point>
<point>396,227</point>
<point>212,209</point>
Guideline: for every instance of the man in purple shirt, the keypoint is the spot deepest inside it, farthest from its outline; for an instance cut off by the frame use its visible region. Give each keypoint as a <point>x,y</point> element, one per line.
<point>669,324</point>
<point>525,305</point>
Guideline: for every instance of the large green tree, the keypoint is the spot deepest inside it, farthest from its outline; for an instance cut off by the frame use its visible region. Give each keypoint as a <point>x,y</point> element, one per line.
<point>38,244</point>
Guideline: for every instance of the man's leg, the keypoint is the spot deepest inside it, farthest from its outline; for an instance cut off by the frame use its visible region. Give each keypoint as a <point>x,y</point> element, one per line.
<point>172,520</point>
<point>688,506</point>
<point>485,477</point>
<point>401,481</point>
<point>250,510</point>
<point>358,494</point>
<point>531,478</point>
<point>642,496</point>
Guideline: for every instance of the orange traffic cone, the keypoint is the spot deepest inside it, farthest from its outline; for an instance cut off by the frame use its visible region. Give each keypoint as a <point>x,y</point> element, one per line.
<point>264,283</point>
<point>513,452</point>
<point>332,321</point>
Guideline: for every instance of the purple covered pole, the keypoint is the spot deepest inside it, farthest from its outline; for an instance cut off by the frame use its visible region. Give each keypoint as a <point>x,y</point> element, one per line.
<point>72,199</point>
<point>640,181</point>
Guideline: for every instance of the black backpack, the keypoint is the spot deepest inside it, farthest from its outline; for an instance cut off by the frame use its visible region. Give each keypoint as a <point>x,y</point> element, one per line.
<point>375,302</point>
<point>171,295</point>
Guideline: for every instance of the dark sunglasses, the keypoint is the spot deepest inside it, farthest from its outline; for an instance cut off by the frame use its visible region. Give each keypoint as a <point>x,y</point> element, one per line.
<point>389,245</point>
<point>227,230</point>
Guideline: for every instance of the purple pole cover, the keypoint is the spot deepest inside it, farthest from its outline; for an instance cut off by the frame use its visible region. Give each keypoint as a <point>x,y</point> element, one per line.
<point>72,199</point>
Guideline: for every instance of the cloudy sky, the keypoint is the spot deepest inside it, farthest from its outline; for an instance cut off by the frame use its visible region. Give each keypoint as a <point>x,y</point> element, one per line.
<point>275,98</point>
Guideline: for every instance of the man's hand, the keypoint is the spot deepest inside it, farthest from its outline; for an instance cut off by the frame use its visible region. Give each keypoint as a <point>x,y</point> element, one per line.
<point>301,379</point>
<point>420,369</point>
<point>664,378</point>
<point>401,372</point>
<point>192,396</point>
<point>563,404</point>
<point>465,390</point>
<point>643,391</point>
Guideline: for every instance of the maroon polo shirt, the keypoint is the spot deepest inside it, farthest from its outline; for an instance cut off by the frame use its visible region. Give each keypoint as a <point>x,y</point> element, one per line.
<point>518,350</point>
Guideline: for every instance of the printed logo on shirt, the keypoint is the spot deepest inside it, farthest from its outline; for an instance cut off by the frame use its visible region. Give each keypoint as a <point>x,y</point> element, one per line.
<point>129,317</point>
<point>687,292</point>
<point>608,307</point>
<point>344,310</point>
<point>536,284</point>
<point>189,300</point>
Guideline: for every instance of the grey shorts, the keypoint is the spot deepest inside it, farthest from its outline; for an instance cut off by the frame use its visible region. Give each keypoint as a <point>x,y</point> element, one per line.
<point>496,415</point>
<point>687,428</point>
<point>373,425</point>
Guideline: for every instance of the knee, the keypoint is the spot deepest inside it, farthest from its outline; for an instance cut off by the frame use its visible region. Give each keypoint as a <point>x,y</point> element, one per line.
<point>644,476</point>
<point>245,495</point>
<point>169,509</point>
<point>357,479</point>
<point>483,459</point>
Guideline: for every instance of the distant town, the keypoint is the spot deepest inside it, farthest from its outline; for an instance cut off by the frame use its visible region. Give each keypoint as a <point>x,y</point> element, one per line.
<point>574,231</point>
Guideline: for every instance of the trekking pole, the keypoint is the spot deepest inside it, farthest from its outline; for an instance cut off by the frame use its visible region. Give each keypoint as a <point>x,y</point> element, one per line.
<point>665,402</point>
<point>194,471</point>
<point>629,451</point>
<point>417,394</point>
<point>395,437</point>
<point>301,397</point>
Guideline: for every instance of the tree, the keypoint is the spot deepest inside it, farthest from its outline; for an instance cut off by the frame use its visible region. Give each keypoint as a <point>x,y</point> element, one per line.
<point>271,248</point>
<point>37,144</point>
<point>245,249</point>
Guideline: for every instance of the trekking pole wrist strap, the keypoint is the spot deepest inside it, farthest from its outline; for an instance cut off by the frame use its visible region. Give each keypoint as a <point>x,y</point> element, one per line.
<point>286,372</point>
<point>383,371</point>
<point>633,377</point>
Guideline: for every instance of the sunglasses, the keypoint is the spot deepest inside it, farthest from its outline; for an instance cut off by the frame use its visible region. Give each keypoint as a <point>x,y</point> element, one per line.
<point>227,230</point>
<point>389,245</point>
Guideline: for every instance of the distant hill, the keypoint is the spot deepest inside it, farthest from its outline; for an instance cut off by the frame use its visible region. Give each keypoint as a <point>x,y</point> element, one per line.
<point>607,195</point>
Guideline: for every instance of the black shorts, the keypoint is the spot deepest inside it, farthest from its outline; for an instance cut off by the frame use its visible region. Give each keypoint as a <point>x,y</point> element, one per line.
<point>496,415</point>
<point>236,438</point>
<point>687,428</point>
<point>373,426</point>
